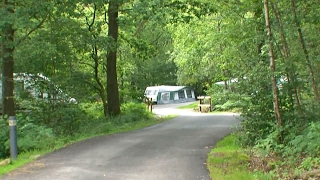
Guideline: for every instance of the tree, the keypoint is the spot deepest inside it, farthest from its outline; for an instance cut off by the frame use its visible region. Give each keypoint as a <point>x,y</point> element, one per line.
<point>306,53</point>
<point>95,57</point>
<point>12,37</point>
<point>272,65</point>
<point>291,76</point>
<point>7,34</point>
<point>112,81</point>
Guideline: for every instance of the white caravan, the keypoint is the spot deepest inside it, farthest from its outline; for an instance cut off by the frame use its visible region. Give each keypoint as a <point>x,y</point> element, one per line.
<point>37,86</point>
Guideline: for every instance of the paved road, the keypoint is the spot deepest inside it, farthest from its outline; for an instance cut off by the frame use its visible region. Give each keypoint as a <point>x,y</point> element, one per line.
<point>173,150</point>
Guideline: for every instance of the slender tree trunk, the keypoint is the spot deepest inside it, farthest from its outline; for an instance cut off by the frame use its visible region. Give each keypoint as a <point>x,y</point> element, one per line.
<point>101,88</point>
<point>122,79</point>
<point>112,81</point>
<point>224,72</point>
<point>272,66</point>
<point>95,58</point>
<point>305,51</point>
<point>291,75</point>
<point>260,29</point>
<point>7,61</point>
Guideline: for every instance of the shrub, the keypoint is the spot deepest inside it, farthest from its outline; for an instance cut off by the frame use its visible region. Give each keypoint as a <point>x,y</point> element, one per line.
<point>93,111</point>
<point>4,136</point>
<point>133,112</point>
<point>62,118</point>
<point>29,136</point>
<point>308,142</point>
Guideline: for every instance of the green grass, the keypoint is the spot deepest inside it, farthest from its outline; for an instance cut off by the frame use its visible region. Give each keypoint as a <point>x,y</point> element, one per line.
<point>190,106</point>
<point>109,128</point>
<point>21,160</point>
<point>219,111</point>
<point>227,161</point>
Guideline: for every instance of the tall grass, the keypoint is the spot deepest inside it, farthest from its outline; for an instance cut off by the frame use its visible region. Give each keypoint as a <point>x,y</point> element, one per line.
<point>227,161</point>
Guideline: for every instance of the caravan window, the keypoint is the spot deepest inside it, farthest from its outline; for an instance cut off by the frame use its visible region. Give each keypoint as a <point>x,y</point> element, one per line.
<point>151,92</point>
<point>165,96</point>
<point>189,95</point>
<point>181,94</point>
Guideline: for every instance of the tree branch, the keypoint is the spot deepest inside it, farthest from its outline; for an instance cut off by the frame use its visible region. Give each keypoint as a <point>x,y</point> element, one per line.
<point>157,38</point>
<point>92,85</point>
<point>32,30</point>
<point>90,65</point>
<point>140,27</point>
<point>93,18</point>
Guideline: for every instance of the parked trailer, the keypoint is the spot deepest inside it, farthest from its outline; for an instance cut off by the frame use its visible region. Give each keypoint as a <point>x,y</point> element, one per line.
<point>170,94</point>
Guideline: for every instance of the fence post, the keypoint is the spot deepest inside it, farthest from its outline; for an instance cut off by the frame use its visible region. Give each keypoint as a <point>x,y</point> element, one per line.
<point>210,104</point>
<point>13,137</point>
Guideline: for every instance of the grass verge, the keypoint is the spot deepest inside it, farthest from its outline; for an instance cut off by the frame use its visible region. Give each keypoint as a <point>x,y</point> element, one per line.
<point>228,161</point>
<point>195,107</point>
<point>27,157</point>
<point>22,159</point>
<point>190,106</point>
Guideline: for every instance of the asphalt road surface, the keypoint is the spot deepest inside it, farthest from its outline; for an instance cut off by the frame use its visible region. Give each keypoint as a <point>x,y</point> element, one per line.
<point>173,150</point>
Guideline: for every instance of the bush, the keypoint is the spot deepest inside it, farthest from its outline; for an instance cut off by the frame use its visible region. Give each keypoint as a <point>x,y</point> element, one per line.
<point>93,111</point>
<point>4,136</point>
<point>29,136</point>
<point>133,112</point>
<point>226,100</point>
<point>62,118</point>
<point>308,142</point>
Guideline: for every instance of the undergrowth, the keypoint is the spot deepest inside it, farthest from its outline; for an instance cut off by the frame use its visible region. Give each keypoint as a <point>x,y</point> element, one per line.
<point>228,161</point>
<point>285,151</point>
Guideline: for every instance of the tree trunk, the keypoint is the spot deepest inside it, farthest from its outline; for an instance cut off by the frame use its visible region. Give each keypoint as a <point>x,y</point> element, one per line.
<point>101,88</point>
<point>305,51</point>
<point>112,82</point>
<point>286,51</point>
<point>260,28</point>
<point>272,66</point>
<point>95,58</point>
<point>7,61</point>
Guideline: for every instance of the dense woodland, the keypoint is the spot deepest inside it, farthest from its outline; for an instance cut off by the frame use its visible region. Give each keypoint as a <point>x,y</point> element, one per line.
<point>105,53</point>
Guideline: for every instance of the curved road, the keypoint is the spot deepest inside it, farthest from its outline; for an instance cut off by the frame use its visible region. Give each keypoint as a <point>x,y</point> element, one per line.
<point>175,149</point>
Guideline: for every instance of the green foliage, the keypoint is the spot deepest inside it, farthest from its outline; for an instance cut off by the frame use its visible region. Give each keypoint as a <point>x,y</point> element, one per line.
<point>195,43</point>
<point>228,161</point>
<point>47,126</point>
<point>93,111</point>
<point>30,136</point>
<point>4,132</point>
<point>227,100</point>
<point>271,142</point>
<point>62,117</point>
<point>143,57</point>
<point>133,112</point>
<point>309,163</point>
<point>190,106</point>
<point>297,149</point>
<point>308,142</point>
